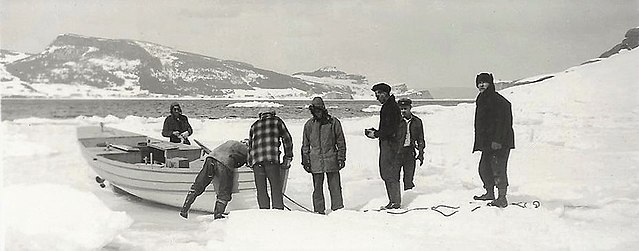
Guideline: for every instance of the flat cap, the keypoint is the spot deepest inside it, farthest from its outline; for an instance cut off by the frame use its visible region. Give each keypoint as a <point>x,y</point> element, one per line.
<point>382,87</point>
<point>404,102</point>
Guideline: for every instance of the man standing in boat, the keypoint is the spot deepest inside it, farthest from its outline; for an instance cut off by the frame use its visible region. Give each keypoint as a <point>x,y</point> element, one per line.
<point>176,126</point>
<point>220,163</point>
<point>265,137</point>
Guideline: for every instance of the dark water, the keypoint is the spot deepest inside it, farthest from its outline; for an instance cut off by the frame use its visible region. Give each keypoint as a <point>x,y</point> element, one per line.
<point>62,109</point>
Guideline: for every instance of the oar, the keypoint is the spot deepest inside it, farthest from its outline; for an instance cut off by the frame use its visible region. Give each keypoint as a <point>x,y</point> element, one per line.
<point>206,149</point>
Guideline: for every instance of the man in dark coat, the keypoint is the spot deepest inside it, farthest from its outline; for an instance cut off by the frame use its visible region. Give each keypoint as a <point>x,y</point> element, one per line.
<point>389,118</point>
<point>411,138</point>
<point>494,137</point>
<point>221,163</point>
<point>176,126</point>
<point>324,152</point>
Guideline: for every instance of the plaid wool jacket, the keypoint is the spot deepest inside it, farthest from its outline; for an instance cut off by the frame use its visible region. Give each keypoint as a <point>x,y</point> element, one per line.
<point>264,140</point>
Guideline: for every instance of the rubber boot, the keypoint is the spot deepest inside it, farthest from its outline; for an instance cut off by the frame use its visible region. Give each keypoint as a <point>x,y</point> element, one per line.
<point>489,195</point>
<point>501,199</point>
<point>218,212</point>
<point>190,198</point>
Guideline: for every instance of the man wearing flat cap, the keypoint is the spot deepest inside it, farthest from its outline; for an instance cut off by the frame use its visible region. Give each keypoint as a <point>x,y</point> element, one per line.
<point>389,118</point>
<point>411,138</point>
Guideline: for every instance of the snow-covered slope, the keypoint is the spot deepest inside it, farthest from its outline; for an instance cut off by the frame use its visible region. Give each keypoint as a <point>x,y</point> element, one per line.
<point>11,85</point>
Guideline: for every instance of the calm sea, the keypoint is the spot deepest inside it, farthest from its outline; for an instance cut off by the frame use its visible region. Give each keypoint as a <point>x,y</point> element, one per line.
<point>61,109</point>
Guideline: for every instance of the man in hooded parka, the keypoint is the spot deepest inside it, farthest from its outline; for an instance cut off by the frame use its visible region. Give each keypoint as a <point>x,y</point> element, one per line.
<point>494,137</point>
<point>324,152</point>
<point>176,126</point>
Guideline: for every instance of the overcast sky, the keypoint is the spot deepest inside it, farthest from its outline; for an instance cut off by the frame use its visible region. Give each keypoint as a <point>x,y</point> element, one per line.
<point>421,43</point>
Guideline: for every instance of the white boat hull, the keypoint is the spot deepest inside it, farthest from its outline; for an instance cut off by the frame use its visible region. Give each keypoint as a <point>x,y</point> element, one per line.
<point>155,182</point>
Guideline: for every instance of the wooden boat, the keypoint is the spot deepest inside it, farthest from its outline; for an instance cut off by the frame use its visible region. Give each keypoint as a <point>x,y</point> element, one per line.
<point>157,170</point>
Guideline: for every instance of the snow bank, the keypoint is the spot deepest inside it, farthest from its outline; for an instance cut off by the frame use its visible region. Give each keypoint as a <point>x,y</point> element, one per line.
<point>607,87</point>
<point>255,104</point>
<point>372,108</point>
<point>57,217</point>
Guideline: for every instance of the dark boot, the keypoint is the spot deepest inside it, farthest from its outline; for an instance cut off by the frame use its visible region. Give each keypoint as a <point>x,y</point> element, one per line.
<point>190,198</point>
<point>501,199</point>
<point>392,205</point>
<point>489,195</point>
<point>218,212</point>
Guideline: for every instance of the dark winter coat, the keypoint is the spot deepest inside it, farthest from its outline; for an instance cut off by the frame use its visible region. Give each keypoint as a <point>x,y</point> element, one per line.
<point>323,145</point>
<point>416,134</point>
<point>493,121</point>
<point>389,118</point>
<point>178,123</point>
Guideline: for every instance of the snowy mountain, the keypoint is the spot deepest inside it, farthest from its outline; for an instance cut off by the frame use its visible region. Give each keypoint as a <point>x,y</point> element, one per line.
<point>357,86</point>
<point>79,66</point>
<point>401,91</point>
<point>342,85</point>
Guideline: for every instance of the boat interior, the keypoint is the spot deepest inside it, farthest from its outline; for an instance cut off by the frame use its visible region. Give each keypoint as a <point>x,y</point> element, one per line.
<point>134,148</point>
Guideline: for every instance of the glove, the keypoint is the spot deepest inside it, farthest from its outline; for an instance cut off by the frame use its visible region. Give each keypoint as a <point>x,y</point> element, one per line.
<point>307,167</point>
<point>420,157</point>
<point>495,146</point>
<point>370,133</point>
<point>286,164</point>
<point>185,134</point>
<point>341,164</point>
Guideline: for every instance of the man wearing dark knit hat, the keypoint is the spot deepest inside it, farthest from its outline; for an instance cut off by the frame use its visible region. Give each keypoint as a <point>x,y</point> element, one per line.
<point>389,118</point>
<point>494,137</point>
<point>411,137</point>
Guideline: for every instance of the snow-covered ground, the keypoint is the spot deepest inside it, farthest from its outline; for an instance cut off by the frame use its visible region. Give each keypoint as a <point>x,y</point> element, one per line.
<point>577,153</point>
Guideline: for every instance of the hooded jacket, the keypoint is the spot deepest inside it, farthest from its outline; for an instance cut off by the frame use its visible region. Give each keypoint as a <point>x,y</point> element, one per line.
<point>323,144</point>
<point>493,121</point>
<point>175,122</point>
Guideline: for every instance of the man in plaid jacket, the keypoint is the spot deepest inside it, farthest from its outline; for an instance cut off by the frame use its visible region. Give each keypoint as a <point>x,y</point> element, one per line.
<point>265,137</point>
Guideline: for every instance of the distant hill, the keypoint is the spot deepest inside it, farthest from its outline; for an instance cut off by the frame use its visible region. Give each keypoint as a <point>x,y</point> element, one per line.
<point>78,66</point>
<point>402,91</point>
<point>343,85</point>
